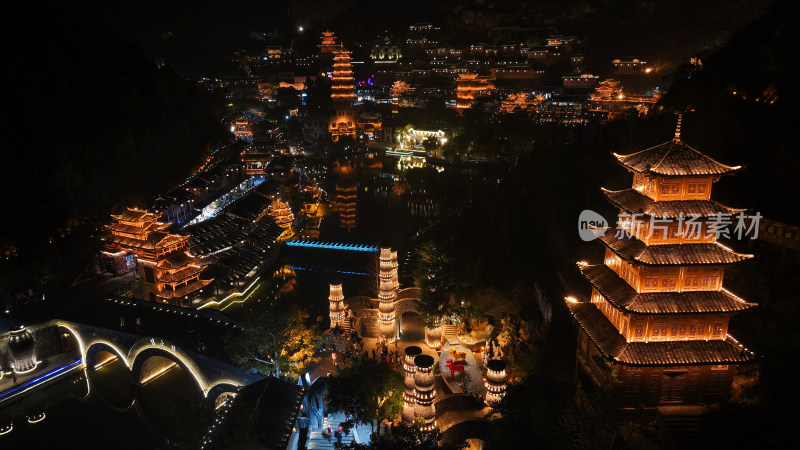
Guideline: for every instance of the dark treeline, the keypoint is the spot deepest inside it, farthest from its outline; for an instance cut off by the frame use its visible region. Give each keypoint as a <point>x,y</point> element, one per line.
<point>94,126</point>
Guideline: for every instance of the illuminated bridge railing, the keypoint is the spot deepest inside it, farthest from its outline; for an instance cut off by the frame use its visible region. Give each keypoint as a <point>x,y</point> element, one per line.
<point>333,246</point>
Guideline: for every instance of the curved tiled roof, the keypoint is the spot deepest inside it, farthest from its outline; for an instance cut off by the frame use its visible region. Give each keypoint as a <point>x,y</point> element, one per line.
<point>674,158</point>
<point>631,249</point>
<point>665,353</point>
<point>634,202</point>
<point>620,294</point>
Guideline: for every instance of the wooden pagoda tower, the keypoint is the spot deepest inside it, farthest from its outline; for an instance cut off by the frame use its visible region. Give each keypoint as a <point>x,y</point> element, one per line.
<point>658,315</point>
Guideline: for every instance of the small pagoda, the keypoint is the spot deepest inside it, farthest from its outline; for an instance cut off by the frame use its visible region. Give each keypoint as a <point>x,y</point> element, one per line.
<point>167,271</point>
<point>658,315</point>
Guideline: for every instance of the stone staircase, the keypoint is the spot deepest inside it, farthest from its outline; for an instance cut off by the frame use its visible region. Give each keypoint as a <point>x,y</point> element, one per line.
<point>450,333</point>
<point>683,424</point>
<point>315,439</point>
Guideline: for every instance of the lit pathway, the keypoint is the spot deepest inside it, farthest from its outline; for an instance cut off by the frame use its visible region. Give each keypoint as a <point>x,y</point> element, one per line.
<point>316,441</point>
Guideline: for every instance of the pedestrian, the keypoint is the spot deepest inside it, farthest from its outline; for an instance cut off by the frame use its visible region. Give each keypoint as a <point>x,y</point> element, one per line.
<point>395,342</point>
<point>328,434</point>
<point>373,353</point>
<point>138,323</point>
<point>338,435</point>
<point>333,357</point>
<point>14,377</point>
<point>122,321</point>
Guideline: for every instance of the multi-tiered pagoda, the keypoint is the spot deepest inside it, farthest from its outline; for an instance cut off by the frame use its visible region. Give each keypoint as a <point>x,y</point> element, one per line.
<point>343,122</point>
<point>167,272</point>
<point>658,316</point>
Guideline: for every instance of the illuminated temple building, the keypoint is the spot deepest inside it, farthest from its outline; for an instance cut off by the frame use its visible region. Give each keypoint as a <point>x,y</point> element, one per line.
<point>469,86</point>
<point>608,102</point>
<point>328,44</point>
<point>167,271</point>
<point>343,122</point>
<point>658,315</point>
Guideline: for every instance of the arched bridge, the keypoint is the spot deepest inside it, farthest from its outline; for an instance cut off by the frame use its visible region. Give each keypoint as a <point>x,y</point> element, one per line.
<point>212,376</point>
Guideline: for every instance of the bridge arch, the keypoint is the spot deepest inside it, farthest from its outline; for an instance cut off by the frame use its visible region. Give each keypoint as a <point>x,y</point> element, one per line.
<point>96,346</point>
<point>145,349</point>
<point>219,393</point>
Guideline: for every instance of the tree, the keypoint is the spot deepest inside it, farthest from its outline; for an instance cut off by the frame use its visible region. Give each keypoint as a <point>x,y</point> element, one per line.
<point>443,284</point>
<point>594,423</point>
<point>403,437</point>
<point>270,342</point>
<point>365,391</point>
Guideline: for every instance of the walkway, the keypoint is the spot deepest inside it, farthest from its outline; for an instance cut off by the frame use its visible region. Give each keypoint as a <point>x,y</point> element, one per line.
<point>316,441</point>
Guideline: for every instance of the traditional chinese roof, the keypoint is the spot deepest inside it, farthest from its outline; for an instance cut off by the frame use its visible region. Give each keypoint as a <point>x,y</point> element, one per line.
<point>665,353</point>
<point>184,290</point>
<point>135,215</point>
<point>180,275</point>
<point>155,240</point>
<point>120,227</point>
<point>633,202</point>
<point>633,250</point>
<point>620,294</point>
<point>674,158</point>
<point>602,332</point>
<point>175,261</point>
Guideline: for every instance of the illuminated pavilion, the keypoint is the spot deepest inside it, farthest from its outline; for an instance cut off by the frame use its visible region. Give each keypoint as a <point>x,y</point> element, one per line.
<point>658,315</point>
<point>167,271</point>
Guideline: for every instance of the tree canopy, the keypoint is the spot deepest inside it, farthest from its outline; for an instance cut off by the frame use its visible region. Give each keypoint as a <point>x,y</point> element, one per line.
<point>381,398</point>
<point>274,342</point>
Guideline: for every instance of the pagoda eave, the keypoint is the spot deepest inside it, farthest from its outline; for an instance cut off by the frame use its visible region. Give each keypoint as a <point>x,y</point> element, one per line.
<point>635,251</point>
<point>613,346</point>
<point>623,297</point>
<point>634,202</point>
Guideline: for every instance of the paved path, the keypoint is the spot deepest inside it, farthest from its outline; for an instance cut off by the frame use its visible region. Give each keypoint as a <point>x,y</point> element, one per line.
<point>315,439</point>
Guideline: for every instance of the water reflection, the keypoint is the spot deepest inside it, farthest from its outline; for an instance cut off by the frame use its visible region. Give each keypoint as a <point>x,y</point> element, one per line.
<point>101,406</point>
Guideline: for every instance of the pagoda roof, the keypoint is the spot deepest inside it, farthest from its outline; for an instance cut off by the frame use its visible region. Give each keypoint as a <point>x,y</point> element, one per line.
<point>664,353</point>
<point>620,294</point>
<point>674,159</point>
<point>184,290</point>
<point>133,229</point>
<point>180,275</point>
<point>176,261</point>
<point>633,250</point>
<point>156,239</point>
<point>136,215</point>
<point>633,201</point>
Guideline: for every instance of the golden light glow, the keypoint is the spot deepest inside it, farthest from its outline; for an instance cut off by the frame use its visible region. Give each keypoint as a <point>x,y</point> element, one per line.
<point>160,372</point>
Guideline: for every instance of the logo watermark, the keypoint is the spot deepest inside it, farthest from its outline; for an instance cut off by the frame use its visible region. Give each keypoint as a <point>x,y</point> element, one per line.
<point>592,225</point>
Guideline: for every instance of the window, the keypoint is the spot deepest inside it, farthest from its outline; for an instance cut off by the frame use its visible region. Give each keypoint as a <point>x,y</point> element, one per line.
<point>655,331</point>
<point>638,331</point>
<point>149,276</point>
<point>701,329</point>
<point>692,329</point>
<point>701,188</point>
<point>692,188</point>
<point>717,329</point>
<point>682,330</point>
<point>674,330</point>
